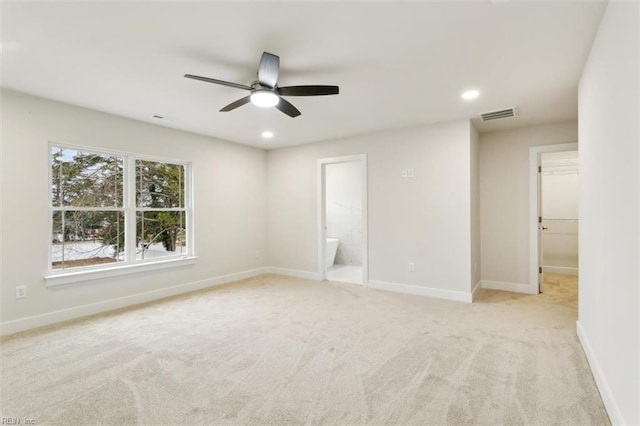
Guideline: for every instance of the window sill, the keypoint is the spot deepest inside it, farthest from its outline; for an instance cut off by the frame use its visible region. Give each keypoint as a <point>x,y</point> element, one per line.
<point>62,278</point>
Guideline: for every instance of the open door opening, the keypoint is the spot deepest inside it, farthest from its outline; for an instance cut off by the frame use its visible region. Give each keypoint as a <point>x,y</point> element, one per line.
<point>558,221</point>
<point>342,236</point>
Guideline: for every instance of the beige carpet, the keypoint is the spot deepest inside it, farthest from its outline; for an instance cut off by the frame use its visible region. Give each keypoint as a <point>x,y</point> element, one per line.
<point>277,350</point>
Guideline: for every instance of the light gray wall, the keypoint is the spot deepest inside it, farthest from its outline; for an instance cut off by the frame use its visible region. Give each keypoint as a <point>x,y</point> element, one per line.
<point>344,210</point>
<point>425,219</point>
<point>229,198</point>
<point>504,197</point>
<point>609,306</point>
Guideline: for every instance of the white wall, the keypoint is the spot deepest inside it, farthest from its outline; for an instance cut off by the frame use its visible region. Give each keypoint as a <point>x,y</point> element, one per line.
<point>344,210</point>
<point>504,200</point>
<point>229,196</point>
<point>609,304</point>
<point>560,195</point>
<point>425,219</point>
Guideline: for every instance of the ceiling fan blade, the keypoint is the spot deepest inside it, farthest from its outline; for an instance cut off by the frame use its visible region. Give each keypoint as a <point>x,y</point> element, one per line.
<point>308,90</point>
<point>223,83</point>
<point>268,70</point>
<point>236,104</point>
<point>286,107</point>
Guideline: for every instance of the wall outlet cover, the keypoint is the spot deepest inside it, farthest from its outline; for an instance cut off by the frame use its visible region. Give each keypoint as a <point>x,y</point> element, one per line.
<point>21,292</point>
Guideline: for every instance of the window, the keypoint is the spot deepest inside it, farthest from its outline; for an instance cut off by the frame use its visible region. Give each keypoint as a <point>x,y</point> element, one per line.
<point>115,209</point>
<point>160,209</point>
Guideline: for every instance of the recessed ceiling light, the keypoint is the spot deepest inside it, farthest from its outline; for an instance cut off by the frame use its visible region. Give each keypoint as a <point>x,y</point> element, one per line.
<point>267,134</point>
<point>470,94</point>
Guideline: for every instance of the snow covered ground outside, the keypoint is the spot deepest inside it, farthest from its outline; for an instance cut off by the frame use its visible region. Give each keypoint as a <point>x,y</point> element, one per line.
<point>76,250</point>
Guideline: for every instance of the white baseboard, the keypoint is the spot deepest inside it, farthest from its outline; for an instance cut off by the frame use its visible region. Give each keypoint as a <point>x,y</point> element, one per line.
<point>475,290</point>
<point>49,318</point>
<point>603,386</point>
<point>306,275</point>
<point>513,287</point>
<point>561,270</point>
<point>458,296</point>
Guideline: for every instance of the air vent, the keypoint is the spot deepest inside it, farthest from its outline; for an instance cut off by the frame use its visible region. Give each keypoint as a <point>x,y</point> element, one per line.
<point>163,117</point>
<point>496,115</point>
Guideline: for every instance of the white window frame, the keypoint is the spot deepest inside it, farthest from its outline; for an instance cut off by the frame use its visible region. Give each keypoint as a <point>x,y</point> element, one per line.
<point>130,210</point>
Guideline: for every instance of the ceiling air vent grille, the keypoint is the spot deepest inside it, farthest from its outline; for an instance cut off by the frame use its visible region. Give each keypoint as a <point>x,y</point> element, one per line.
<point>496,115</point>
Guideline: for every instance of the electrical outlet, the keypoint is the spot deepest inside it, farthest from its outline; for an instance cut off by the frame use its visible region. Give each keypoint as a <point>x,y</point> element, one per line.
<point>257,254</point>
<point>404,173</point>
<point>412,267</point>
<point>410,173</point>
<point>21,292</point>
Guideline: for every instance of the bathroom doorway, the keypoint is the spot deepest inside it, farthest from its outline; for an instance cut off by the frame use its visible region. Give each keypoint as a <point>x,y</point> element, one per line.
<point>342,235</point>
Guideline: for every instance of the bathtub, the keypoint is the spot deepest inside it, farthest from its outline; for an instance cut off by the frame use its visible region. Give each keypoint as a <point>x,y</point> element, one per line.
<point>330,252</point>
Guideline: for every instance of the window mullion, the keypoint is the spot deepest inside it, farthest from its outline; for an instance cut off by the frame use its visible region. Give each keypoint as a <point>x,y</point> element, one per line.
<point>129,208</point>
<point>188,204</point>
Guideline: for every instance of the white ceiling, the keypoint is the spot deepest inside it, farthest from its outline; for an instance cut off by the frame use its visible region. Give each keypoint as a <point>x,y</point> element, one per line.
<point>397,63</point>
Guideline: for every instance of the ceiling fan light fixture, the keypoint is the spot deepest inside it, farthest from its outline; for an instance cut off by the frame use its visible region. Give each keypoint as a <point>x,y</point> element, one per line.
<point>264,98</point>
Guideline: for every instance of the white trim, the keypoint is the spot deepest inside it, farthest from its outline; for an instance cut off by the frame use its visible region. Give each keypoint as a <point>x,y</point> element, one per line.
<point>513,287</point>
<point>534,253</point>
<point>107,151</point>
<point>48,183</point>
<point>342,159</point>
<point>322,220</point>
<point>322,223</point>
<point>418,290</point>
<point>305,275</point>
<point>615,416</point>
<point>365,221</point>
<point>560,269</point>
<point>49,318</point>
<point>129,202</point>
<point>476,289</point>
<point>113,271</point>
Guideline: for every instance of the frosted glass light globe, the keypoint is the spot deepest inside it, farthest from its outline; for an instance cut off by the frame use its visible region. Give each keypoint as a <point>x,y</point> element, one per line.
<point>264,98</point>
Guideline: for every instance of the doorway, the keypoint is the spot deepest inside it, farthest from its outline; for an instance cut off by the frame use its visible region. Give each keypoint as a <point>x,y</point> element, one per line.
<point>342,229</point>
<point>554,250</point>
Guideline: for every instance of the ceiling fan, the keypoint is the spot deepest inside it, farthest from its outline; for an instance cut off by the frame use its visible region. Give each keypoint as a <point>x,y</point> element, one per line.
<point>265,91</point>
